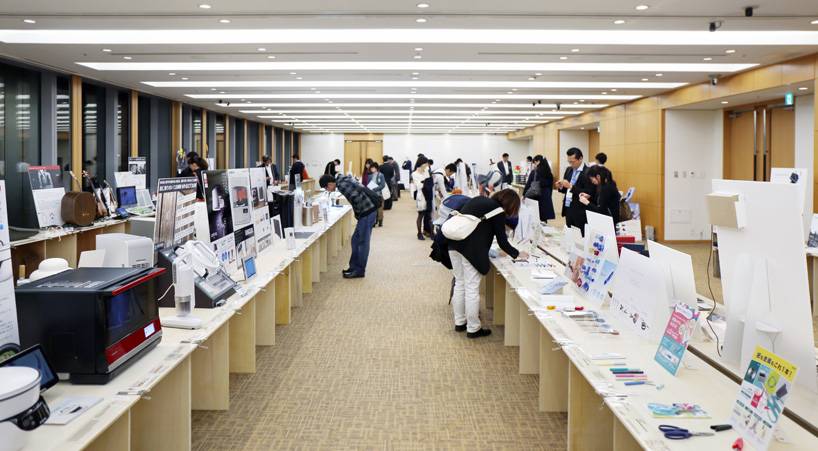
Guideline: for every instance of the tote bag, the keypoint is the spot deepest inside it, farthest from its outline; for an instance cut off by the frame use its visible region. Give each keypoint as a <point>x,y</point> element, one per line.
<point>459,226</point>
<point>535,190</point>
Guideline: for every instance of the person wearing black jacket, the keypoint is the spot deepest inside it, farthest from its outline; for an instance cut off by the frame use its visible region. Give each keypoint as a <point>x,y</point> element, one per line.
<point>605,198</point>
<point>190,157</point>
<point>574,183</point>
<point>505,170</point>
<point>329,169</point>
<point>542,176</point>
<point>271,170</point>
<point>388,172</point>
<point>470,256</point>
<point>296,169</point>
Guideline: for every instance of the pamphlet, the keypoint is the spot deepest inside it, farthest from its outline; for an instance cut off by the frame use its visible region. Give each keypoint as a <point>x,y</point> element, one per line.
<point>239,184</point>
<point>593,271</point>
<point>138,167</point>
<point>764,389</point>
<point>175,212</point>
<point>69,408</point>
<point>553,286</point>
<point>639,298</point>
<point>290,233</point>
<point>677,336</point>
<point>48,191</point>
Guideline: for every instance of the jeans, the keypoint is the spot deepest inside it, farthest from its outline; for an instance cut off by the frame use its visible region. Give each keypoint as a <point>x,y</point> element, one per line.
<point>466,297</point>
<point>360,243</point>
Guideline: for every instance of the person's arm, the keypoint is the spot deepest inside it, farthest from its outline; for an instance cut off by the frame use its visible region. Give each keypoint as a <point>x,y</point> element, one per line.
<point>498,225</point>
<point>528,183</point>
<point>381,183</point>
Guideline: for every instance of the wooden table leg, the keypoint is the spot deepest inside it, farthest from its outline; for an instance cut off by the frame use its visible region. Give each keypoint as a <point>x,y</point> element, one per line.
<point>529,342</point>
<point>266,315</point>
<point>499,299</point>
<point>512,317</point>
<point>117,436</point>
<point>622,438</point>
<point>589,427</point>
<point>324,251</point>
<point>306,271</point>
<point>489,282</point>
<point>163,421</point>
<point>316,261</point>
<point>282,296</point>
<point>553,375</point>
<point>210,372</point>
<point>296,282</point>
<point>243,339</point>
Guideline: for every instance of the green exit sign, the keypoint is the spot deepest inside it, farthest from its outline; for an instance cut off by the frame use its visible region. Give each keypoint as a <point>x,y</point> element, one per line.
<point>788,99</point>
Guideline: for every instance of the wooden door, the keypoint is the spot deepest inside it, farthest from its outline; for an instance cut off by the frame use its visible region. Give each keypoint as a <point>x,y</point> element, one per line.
<point>374,150</point>
<point>781,139</point>
<point>742,146</point>
<point>352,154</point>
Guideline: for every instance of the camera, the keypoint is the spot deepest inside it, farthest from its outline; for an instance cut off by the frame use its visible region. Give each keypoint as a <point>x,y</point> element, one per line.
<point>714,79</point>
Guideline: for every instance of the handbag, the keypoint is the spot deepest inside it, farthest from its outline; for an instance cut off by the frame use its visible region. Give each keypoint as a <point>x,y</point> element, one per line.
<point>535,190</point>
<point>625,211</point>
<point>459,226</point>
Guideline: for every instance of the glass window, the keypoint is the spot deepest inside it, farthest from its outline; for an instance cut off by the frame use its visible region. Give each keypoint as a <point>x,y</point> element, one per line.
<point>196,115</point>
<point>239,129</point>
<point>279,149</point>
<point>19,140</point>
<point>144,131</point>
<point>221,162</point>
<point>93,131</point>
<point>64,123</point>
<point>122,148</point>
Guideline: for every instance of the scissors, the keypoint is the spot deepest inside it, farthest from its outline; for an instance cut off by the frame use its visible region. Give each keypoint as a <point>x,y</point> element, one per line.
<point>677,433</point>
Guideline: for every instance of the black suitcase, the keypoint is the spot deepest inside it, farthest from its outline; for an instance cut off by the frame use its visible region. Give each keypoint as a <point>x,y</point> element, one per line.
<point>387,204</point>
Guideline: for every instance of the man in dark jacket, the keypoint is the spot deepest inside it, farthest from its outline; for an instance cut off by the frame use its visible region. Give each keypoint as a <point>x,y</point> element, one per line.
<point>271,170</point>
<point>365,205</point>
<point>296,169</point>
<point>574,183</point>
<point>505,170</point>
<point>388,172</point>
<point>330,167</point>
<point>396,192</point>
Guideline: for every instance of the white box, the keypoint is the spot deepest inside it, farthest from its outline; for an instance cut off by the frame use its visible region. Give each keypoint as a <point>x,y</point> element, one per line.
<point>126,251</point>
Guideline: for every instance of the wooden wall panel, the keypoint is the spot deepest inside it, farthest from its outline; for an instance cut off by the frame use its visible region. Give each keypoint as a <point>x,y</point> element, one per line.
<point>76,129</point>
<point>175,132</point>
<point>798,70</point>
<point>135,123</point>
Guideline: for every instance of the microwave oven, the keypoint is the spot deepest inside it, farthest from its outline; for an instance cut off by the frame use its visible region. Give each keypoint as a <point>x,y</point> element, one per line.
<point>93,322</point>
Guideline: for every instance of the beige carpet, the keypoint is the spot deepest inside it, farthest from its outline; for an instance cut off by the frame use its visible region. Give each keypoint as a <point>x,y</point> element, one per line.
<point>375,363</point>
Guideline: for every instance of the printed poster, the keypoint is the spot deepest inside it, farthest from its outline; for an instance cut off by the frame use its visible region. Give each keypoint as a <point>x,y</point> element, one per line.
<point>238,181</point>
<point>225,249</point>
<point>638,290</point>
<point>597,270</point>
<point>263,228</point>
<point>138,167</point>
<point>9,335</point>
<point>764,390</point>
<point>217,197</point>
<point>677,336</point>
<point>48,190</point>
<point>175,212</point>
<point>245,243</point>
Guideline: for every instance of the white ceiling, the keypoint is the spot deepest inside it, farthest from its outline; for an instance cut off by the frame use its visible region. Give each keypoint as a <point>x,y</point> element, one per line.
<point>352,62</point>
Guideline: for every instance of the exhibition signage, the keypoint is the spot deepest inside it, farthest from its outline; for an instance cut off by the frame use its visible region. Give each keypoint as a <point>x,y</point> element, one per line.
<point>677,335</point>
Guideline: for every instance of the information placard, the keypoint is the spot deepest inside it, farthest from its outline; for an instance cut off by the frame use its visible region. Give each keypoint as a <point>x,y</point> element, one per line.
<point>48,191</point>
<point>677,335</point>
<point>639,296</point>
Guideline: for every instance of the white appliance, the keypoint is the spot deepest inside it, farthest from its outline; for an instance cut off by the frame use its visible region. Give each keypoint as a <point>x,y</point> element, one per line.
<point>184,290</point>
<point>20,394</point>
<point>126,251</point>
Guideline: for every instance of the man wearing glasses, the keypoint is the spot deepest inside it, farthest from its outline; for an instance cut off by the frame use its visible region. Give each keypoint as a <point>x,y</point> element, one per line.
<point>574,183</point>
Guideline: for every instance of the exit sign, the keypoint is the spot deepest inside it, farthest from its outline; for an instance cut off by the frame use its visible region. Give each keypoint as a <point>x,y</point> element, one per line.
<point>788,99</point>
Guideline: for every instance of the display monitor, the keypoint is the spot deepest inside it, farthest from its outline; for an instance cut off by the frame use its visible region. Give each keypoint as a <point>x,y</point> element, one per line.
<point>126,196</point>
<point>249,264</point>
<point>35,357</point>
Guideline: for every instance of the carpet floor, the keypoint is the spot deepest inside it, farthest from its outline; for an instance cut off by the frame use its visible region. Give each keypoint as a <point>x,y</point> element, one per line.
<point>375,363</point>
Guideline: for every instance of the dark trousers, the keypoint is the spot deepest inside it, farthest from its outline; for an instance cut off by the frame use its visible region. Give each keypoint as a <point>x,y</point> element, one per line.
<point>360,243</point>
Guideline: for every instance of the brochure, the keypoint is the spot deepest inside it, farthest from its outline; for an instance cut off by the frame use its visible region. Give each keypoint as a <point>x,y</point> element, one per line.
<point>764,389</point>
<point>677,335</point>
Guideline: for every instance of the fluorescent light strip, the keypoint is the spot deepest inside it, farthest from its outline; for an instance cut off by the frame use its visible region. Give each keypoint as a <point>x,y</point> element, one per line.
<point>398,105</point>
<point>398,118</point>
<point>416,66</point>
<point>405,121</point>
<point>417,96</point>
<point>413,84</point>
<point>300,113</point>
<point>409,36</point>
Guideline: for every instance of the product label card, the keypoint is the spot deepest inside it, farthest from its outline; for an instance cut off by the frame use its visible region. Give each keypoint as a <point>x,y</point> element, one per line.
<point>677,335</point>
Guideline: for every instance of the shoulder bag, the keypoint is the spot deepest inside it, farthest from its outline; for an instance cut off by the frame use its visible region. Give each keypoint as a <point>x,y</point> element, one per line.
<point>459,226</point>
<point>535,190</point>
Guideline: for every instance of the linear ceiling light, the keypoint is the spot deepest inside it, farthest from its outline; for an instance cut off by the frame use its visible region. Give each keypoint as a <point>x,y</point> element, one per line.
<point>526,105</point>
<point>309,113</point>
<point>410,84</point>
<point>416,65</point>
<point>410,36</point>
<point>576,96</point>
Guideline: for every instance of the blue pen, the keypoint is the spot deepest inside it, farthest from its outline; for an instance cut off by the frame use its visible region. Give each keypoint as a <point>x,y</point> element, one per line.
<point>639,383</point>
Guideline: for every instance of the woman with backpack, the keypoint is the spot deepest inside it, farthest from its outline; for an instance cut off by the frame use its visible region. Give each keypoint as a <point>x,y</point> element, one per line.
<point>470,256</point>
<point>539,186</point>
<point>605,198</point>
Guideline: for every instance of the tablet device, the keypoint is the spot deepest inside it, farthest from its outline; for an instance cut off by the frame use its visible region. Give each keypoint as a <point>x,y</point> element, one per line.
<point>35,357</point>
<point>249,264</point>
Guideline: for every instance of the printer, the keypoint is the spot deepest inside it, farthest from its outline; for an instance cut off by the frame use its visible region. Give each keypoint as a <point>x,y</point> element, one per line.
<point>92,322</point>
<point>126,251</point>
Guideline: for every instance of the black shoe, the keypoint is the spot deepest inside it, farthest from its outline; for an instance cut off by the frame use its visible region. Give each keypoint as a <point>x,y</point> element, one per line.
<point>352,275</point>
<point>459,328</point>
<point>480,333</point>
<point>380,223</point>
<point>345,271</point>
<point>420,237</point>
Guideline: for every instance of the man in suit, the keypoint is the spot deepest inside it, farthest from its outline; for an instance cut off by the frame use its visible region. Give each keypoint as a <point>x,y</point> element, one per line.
<point>296,169</point>
<point>396,166</point>
<point>388,172</point>
<point>574,183</point>
<point>505,170</point>
<point>273,177</point>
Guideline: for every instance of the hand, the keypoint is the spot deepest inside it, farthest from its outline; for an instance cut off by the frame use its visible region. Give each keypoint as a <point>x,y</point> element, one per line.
<point>585,195</point>
<point>584,200</point>
<point>524,255</point>
<point>275,183</point>
<point>503,254</point>
<point>268,179</point>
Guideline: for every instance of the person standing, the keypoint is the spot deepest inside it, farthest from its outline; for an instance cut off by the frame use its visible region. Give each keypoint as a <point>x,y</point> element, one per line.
<point>425,200</point>
<point>505,170</point>
<point>541,175</point>
<point>365,207</point>
<point>366,171</point>
<point>296,169</point>
<point>601,159</point>
<point>377,183</point>
<point>470,256</point>
<point>388,172</point>
<point>574,183</point>
<point>198,164</point>
<point>189,157</point>
<point>273,177</point>
<point>331,169</point>
<point>605,198</point>
<point>396,191</point>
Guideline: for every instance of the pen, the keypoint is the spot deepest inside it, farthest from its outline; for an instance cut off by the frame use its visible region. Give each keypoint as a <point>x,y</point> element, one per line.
<point>611,364</point>
<point>639,383</point>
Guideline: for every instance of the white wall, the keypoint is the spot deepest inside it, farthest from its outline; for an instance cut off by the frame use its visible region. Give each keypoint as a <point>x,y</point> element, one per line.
<point>569,139</point>
<point>318,150</point>
<point>804,157</point>
<point>443,149</point>
<point>693,157</point>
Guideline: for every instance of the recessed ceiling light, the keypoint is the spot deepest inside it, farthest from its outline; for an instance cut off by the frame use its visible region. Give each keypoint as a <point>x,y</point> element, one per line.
<point>415,73</point>
<point>224,20</point>
<point>414,78</point>
<point>127,57</point>
<point>730,51</point>
<point>221,92</point>
<point>261,49</point>
<point>614,89</point>
<point>312,89</point>
<point>642,7</point>
<point>803,88</point>
<point>203,6</point>
<point>106,50</point>
<point>418,49</point>
<point>417,57</point>
<point>212,89</point>
<point>509,92</point>
<point>575,50</point>
<point>538,74</point>
<point>659,75</point>
<point>299,78</point>
<point>272,57</point>
<point>293,73</point>
<point>29,21</point>
<point>172,73</point>
<point>708,59</point>
<point>725,102</point>
<point>531,78</point>
<point>563,57</point>
<point>644,79</point>
<point>318,92</point>
<point>514,89</point>
<point>421,20</point>
<point>604,93</point>
<point>423,5</point>
<point>184,78</point>
<point>243,100</point>
<point>619,22</point>
<point>814,22</point>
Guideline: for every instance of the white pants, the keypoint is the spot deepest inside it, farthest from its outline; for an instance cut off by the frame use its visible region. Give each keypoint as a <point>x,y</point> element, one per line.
<point>466,298</point>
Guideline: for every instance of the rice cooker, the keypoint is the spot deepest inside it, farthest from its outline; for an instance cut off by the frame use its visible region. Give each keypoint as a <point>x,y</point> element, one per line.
<point>22,409</point>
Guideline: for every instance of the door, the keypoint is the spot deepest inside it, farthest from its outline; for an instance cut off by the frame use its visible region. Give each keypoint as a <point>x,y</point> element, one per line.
<point>781,138</point>
<point>352,157</point>
<point>758,138</point>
